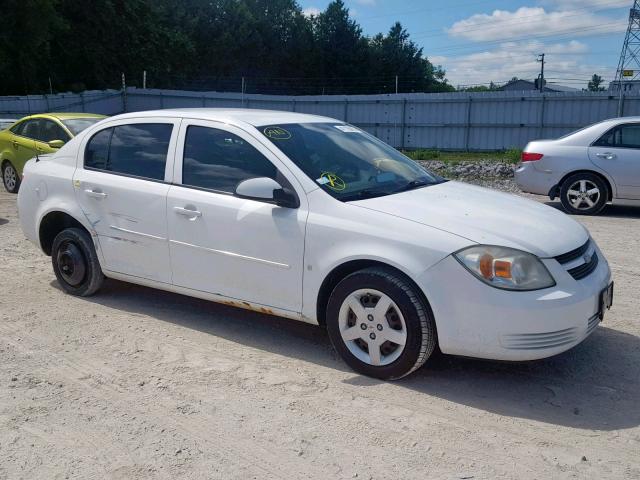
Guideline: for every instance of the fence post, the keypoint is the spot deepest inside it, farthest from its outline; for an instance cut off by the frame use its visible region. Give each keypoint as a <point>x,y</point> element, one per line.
<point>346,110</point>
<point>623,97</point>
<point>46,99</point>
<point>403,125</point>
<point>541,135</point>
<point>124,94</point>
<point>293,106</point>
<point>467,137</point>
<point>82,101</point>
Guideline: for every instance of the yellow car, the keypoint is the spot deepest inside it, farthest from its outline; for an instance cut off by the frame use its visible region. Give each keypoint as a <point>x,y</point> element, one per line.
<point>37,134</point>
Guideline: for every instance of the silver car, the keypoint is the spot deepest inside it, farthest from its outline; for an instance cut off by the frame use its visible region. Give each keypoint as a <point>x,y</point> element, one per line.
<point>586,169</point>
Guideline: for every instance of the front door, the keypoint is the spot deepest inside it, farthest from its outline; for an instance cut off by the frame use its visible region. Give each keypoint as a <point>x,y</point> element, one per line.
<point>122,186</point>
<point>617,152</point>
<point>222,244</point>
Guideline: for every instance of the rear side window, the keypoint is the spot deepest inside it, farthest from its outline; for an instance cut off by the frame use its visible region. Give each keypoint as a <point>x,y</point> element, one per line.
<point>17,128</point>
<point>138,150</point>
<point>622,136</point>
<point>218,160</point>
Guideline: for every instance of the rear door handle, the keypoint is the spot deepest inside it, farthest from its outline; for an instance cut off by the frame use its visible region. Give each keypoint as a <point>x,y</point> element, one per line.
<point>192,213</point>
<point>606,155</point>
<point>95,194</point>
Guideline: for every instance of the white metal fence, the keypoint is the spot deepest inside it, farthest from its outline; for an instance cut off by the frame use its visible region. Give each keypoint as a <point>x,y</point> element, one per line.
<point>445,121</point>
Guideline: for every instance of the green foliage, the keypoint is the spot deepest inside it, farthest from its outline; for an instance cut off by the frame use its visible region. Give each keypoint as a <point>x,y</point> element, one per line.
<point>204,44</point>
<point>508,156</point>
<point>595,84</point>
<point>513,155</point>
<point>423,154</point>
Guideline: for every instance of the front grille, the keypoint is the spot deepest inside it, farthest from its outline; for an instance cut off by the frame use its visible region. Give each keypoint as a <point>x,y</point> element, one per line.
<point>537,341</point>
<point>585,269</point>
<point>573,254</point>
<point>589,263</point>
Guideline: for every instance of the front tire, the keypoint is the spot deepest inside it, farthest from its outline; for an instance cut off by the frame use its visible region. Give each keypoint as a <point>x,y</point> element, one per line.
<point>584,194</point>
<point>75,263</point>
<point>10,177</point>
<point>380,324</point>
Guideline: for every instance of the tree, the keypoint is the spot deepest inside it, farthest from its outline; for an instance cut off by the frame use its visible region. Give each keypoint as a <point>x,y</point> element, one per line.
<point>595,84</point>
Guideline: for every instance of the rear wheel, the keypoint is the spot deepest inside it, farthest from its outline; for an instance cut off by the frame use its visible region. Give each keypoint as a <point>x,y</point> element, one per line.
<point>10,177</point>
<point>584,194</point>
<point>380,324</point>
<point>75,262</point>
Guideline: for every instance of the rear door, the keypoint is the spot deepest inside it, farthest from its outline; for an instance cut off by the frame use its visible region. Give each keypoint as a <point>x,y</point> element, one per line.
<point>121,183</point>
<point>617,152</point>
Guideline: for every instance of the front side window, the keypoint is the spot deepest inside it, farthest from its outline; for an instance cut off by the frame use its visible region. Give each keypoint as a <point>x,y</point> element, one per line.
<point>50,130</point>
<point>30,129</point>
<point>346,162</point>
<point>218,160</point>
<point>622,136</point>
<point>138,150</point>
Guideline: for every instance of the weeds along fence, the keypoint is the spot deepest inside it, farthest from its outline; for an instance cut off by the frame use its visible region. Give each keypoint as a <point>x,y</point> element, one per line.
<point>443,121</point>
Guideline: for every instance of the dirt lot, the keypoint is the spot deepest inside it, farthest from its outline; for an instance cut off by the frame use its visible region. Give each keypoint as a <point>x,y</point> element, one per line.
<point>135,383</point>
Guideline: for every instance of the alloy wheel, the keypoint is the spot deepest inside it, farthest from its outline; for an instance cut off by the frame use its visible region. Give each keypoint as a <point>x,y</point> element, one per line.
<point>583,194</point>
<point>10,177</point>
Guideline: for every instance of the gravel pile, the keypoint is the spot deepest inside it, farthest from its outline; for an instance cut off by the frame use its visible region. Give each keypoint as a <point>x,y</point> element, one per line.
<point>497,175</point>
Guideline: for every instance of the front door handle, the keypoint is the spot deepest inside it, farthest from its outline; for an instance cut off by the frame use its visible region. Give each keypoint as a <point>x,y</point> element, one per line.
<point>15,144</point>
<point>606,155</point>
<point>95,194</point>
<point>192,213</point>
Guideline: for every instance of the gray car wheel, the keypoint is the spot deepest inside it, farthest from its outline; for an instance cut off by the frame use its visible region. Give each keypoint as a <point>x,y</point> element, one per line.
<point>10,177</point>
<point>584,194</point>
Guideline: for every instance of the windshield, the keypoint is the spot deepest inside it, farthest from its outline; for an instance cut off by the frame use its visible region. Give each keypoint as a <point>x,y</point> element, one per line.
<point>76,125</point>
<point>347,162</point>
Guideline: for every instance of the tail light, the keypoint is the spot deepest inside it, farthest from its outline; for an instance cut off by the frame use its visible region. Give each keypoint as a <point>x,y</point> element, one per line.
<point>531,157</point>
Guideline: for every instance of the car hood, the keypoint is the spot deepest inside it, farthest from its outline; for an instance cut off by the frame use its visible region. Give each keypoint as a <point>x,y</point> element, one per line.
<point>485,216</point>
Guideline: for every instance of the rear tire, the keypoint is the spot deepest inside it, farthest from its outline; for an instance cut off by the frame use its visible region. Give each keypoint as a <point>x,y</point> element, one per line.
<point>380,325</point>
<point>584,194</point>
<point>10,177</point>
<point>75,263</point>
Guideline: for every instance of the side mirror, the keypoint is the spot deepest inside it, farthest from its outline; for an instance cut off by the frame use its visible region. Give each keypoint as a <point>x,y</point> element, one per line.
<point>56,143</point>
<point>267,189</point>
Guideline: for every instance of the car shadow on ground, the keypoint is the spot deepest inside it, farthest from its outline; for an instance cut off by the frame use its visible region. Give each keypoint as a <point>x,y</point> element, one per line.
<point>594,386</point>
<point>3,221</point>
<point>610,211</point>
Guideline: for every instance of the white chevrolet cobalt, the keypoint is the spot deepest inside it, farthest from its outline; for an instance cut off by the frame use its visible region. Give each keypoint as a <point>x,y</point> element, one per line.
<point>313,219</point>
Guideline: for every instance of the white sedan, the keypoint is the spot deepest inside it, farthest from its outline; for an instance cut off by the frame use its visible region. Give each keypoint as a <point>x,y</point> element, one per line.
<point>312,219</point>
<point>588,168</point>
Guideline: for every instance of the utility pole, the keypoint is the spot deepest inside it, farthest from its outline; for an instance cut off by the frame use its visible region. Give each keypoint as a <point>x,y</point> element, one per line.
<point>541,77</point>
<point>242,94</point>
<point>629,63</point>
<point>144,79</point>
<point>396,84</point>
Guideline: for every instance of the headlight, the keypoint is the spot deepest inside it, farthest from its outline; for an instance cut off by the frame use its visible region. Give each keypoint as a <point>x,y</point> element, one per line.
<point>505,268</point>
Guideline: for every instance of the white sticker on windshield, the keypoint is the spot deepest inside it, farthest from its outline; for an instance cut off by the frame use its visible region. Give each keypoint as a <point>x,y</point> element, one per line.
<point>347,129</point>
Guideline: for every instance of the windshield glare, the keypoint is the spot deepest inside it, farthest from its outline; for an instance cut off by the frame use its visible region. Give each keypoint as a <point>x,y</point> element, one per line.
<point>76,125</point>
<point>347,162</point>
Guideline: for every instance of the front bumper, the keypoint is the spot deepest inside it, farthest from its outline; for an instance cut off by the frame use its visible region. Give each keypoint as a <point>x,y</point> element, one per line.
<point>476,320</point>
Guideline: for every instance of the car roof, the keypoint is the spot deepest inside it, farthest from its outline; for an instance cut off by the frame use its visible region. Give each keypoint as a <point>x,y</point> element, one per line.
<point>64,115</point>
<point>252,116</point>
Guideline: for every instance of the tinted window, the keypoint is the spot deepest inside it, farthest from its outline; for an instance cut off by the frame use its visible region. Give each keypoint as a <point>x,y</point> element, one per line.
<point>219,160</point>
<point>76,125</point>
<point>50,130</point>
<point>139,150</point>
<point>623,136</point>
<point>17,128</point>
<point>97,153</point>
<point>31,129</point>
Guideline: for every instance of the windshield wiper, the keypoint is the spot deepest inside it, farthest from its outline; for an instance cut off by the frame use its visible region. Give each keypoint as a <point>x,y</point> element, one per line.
<point>412,185</point>
<point>363,194</point>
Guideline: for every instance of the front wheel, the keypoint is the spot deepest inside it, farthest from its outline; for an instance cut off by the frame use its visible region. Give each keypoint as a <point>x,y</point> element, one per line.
<point>380,324</point>
<point>75,262</point>
<point>10,177</point>
<point>584,194</point>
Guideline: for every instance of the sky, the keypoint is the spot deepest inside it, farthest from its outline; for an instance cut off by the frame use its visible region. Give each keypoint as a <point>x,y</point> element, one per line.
<point>478,42</point>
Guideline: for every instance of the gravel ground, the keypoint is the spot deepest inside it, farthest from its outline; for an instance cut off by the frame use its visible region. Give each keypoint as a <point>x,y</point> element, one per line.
<point>135,383</point>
